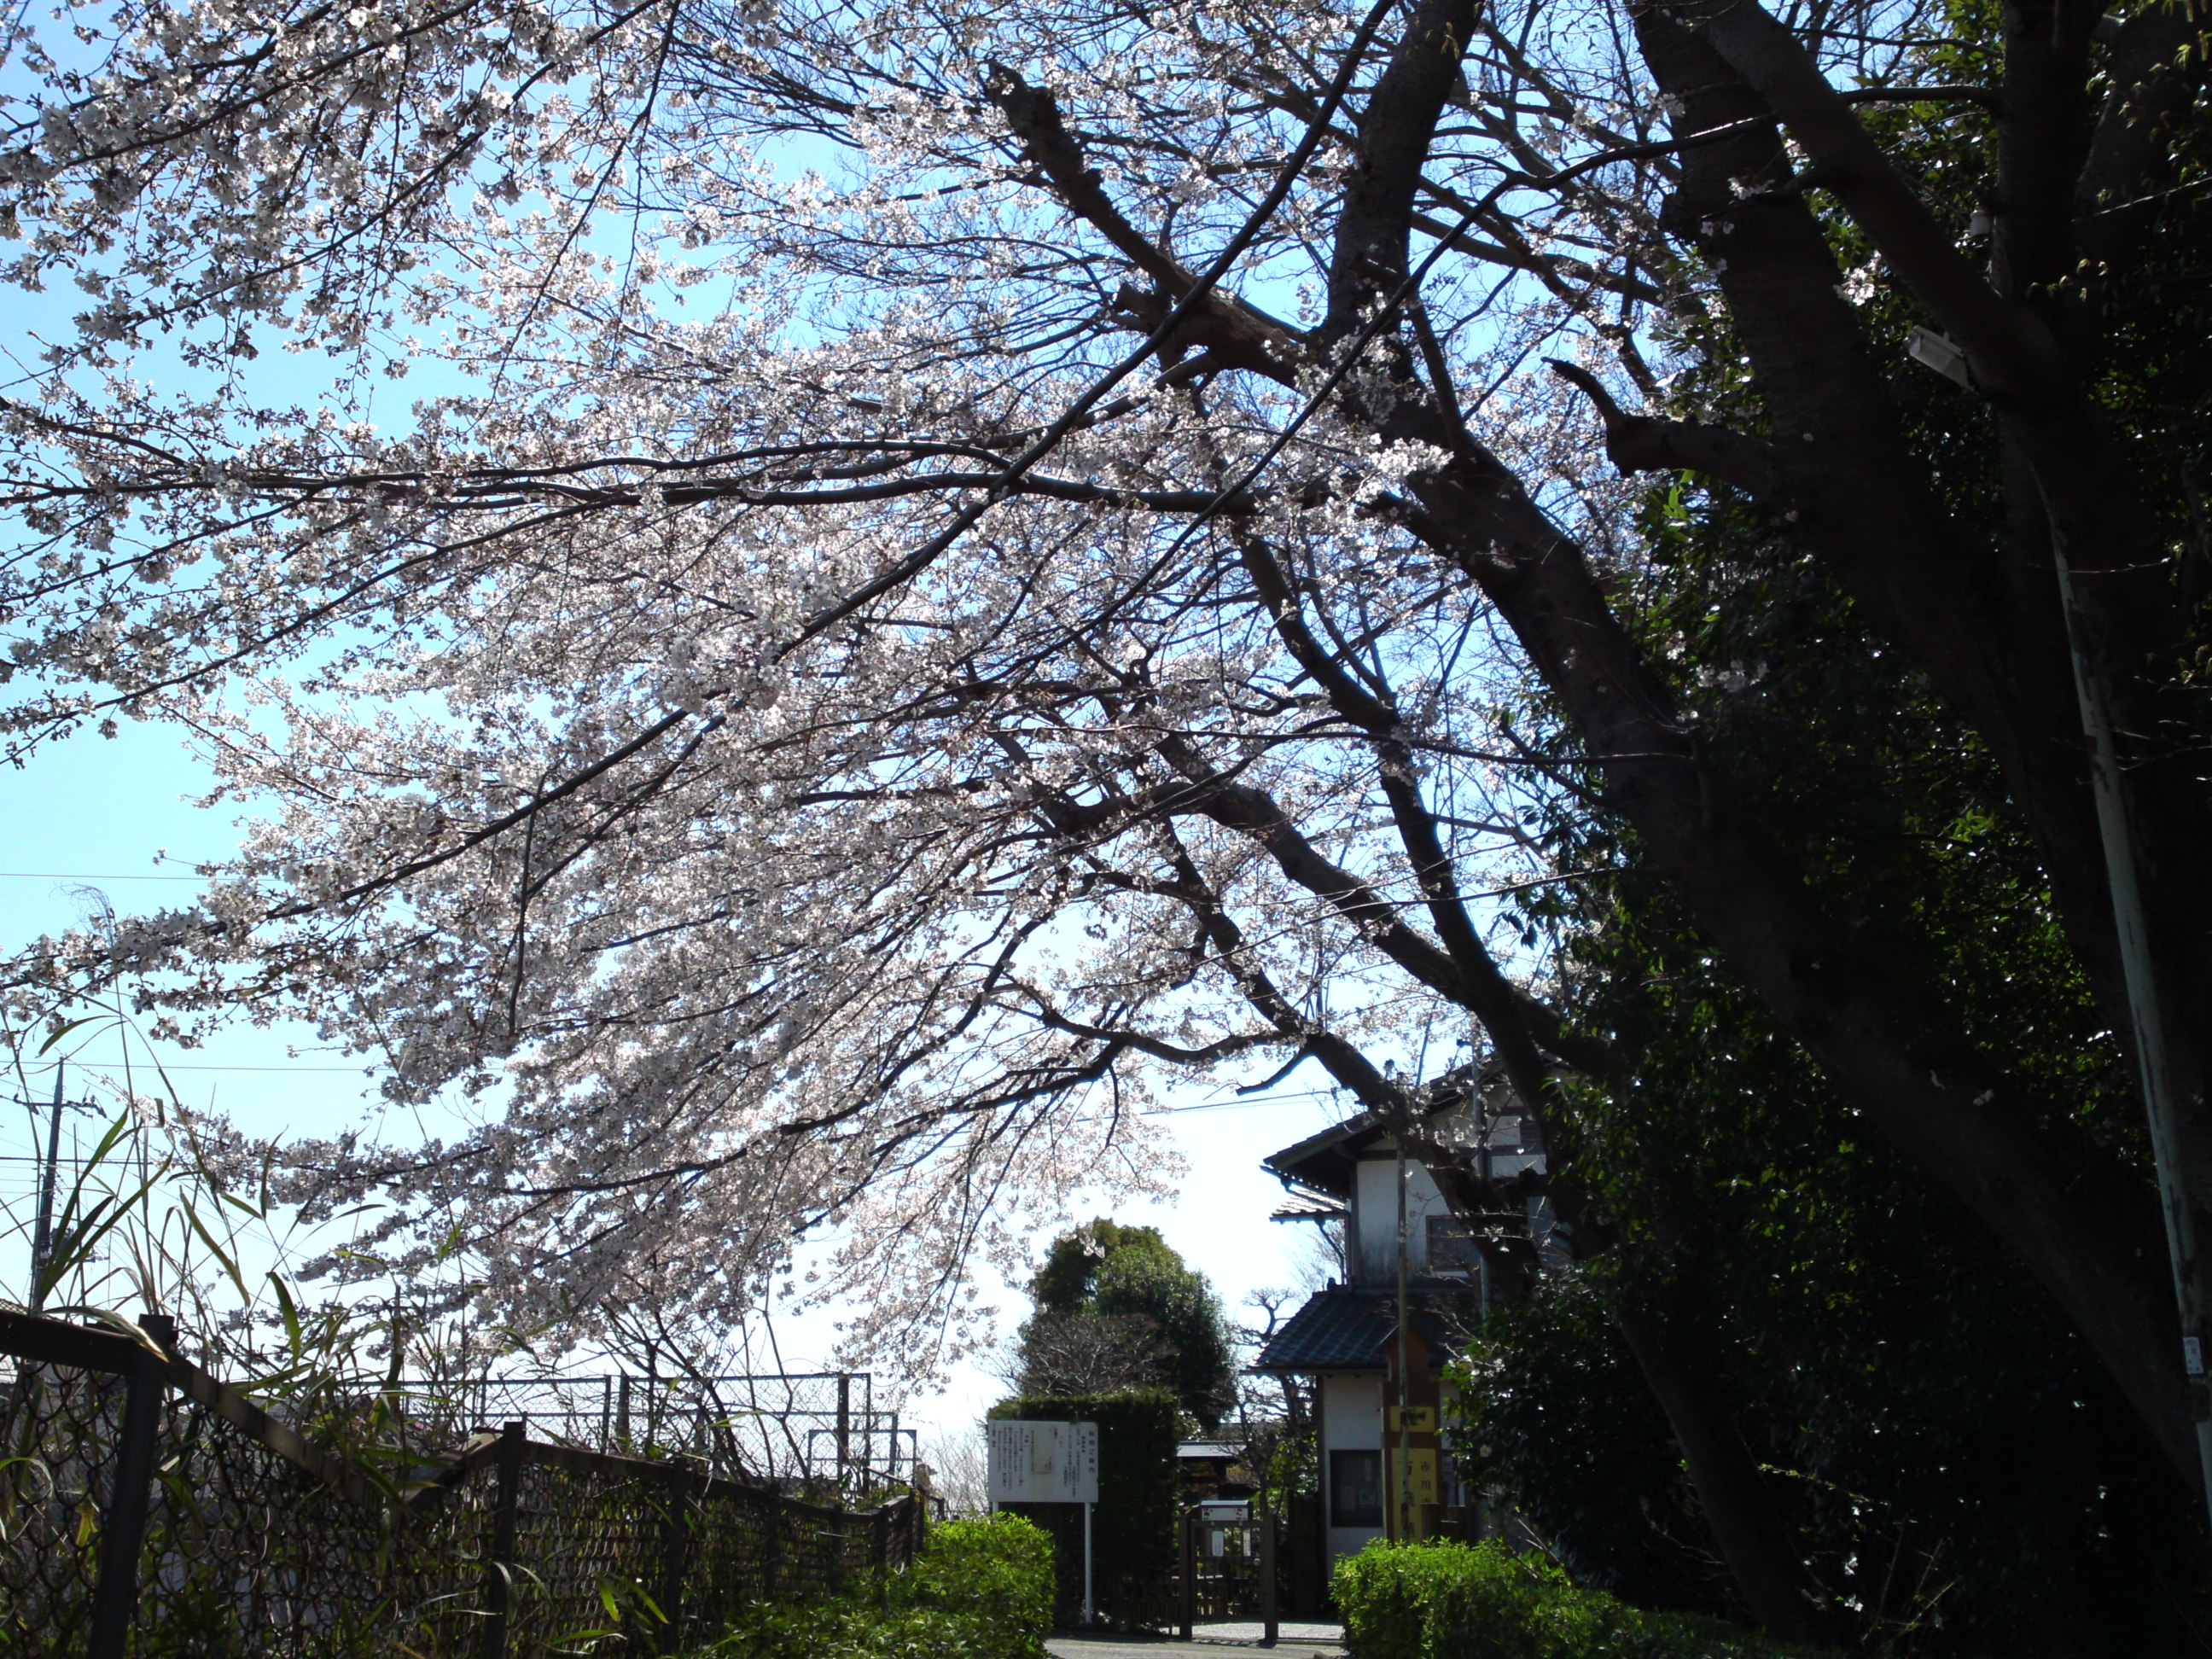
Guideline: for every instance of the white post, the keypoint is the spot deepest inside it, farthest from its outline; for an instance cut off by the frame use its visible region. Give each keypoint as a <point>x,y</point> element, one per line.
<point>1088,1617</point>
<point>2148,1015</point>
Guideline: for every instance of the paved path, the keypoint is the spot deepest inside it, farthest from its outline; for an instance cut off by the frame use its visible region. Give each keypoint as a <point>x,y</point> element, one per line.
<point>1293,1641</point>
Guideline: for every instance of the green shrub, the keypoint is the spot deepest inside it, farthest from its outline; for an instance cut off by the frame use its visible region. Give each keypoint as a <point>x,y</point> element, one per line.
<point>997,1568</point>
<point>1385,1593</point>
<point>978,1589</point>
<point>1451,1602</point>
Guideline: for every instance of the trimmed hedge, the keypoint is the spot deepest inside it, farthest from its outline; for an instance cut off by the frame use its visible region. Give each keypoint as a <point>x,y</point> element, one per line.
<point>978,1589</point>
<point>1454,1601</point>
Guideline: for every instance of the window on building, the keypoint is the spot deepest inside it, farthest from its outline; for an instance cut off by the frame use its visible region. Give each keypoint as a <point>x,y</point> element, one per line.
<point>1355,1489</point>
<point>1450,1250</point>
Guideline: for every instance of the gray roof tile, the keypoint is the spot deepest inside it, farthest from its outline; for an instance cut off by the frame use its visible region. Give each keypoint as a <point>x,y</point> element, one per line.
<point>1342,1329</point>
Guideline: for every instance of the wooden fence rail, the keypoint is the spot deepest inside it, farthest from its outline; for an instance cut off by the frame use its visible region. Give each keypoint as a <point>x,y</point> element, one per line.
<point>148,1508</point>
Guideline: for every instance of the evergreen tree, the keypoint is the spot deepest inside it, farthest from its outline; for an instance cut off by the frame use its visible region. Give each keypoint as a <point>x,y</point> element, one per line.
<point>1122,1300</point>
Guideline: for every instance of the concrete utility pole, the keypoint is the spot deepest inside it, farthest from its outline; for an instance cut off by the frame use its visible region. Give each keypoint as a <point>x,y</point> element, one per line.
<point>42,1241</point>
<point>1403,1532</point>
<point>2146,1014</point>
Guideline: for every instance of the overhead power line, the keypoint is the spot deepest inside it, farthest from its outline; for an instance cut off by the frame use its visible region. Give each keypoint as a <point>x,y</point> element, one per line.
<point>65,875</point>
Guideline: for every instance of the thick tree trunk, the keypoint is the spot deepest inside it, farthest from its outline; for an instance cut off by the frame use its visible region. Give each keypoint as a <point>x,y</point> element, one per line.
<point>2085,1225</point>
<point>1988,631</point>
<point>1746,1526</point>
<point>2032,329</point>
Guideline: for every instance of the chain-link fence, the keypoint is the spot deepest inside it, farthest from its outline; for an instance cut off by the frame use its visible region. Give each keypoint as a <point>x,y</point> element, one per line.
<point>146,1509</point>
<point>819,1430</point>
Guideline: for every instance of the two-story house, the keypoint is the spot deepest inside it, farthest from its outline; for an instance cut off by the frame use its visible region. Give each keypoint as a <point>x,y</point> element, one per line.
<point>1383,1471</point>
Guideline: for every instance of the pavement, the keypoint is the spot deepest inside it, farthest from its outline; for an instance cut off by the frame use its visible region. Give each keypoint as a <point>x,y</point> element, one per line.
<point>1293,1640</point>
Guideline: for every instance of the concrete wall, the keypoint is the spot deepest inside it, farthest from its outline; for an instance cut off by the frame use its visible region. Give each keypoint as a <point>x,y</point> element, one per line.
<point>1351,1420</point>
<point>1374,1237</point>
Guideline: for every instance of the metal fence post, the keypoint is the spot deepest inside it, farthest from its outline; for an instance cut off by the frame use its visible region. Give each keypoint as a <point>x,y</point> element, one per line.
<point>771,1557</point>
<point>129,1495</point>
<point>1189,1575</point>
<point>844,1428</point>
<point>677,1542</point>
<point>1269,1554</point>
<point>499,1589</point>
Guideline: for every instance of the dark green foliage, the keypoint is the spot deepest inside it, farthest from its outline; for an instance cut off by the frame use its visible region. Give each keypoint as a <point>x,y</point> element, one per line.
<point>1450,1601</point>
<point>1069,1278</point>
<point>1286,1460</point>
<point>1133,1528</point>
<point>1131,1273</point>
<point>1553,1409</point>
<point>847,1630</point>
<point>979,1589</point>
<point>1957,1469</point>
<point>1957,1465</point>
<point>1183,1303</point>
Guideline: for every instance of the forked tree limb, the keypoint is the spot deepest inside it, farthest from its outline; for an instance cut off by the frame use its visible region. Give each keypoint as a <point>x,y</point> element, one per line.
<point>1643,443</point>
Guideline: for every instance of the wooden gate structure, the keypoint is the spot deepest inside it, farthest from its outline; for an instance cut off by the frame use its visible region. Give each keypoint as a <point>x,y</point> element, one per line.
<point>1226,1571</point>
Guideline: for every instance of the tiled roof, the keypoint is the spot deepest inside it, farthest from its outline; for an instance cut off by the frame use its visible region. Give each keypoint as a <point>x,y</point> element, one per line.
<point>1200,1449</point>
<point>1323,1162</point>
<point>1342,1329</point>
<point>1298,1208</point>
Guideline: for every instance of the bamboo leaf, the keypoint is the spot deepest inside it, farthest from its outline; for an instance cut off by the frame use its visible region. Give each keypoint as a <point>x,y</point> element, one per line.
<point>65,1030</point>
<point>221,1255</point>
<point>291,1312</point>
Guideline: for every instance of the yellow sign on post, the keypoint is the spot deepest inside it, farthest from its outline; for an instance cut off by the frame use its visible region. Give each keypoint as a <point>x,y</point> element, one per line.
<point>1415,1420</point>
<point>1421,1476</point>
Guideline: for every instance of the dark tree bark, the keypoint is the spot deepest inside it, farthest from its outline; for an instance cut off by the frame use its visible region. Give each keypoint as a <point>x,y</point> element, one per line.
<point>2085,1225</point>
<point>1732,1493</point>
<point>2030,328</point>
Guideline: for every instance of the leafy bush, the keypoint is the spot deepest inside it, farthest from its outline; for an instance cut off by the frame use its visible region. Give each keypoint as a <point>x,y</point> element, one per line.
<point>1385,1592</point>
<point>1450,1601</point>
<point>849,1631</point>
<point>979,1589</point>
<point>1105,1271</point>
<point>997,1569</point>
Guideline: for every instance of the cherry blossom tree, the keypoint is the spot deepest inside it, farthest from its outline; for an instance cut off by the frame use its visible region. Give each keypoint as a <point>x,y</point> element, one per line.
<point>960,560</point>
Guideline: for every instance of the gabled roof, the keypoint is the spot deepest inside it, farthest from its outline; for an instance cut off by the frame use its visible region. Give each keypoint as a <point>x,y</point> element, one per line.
<point>1344,1329</point>
<point>1323,1162</point>
<point>1225,1451</point>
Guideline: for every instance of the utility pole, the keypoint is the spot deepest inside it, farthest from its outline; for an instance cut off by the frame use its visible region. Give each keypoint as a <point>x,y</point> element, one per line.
<point>2145,1012</point>
<point>42,1241</point>
<point>1403,1532</point>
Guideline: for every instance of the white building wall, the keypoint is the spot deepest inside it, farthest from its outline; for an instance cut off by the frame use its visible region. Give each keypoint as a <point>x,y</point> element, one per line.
<point>1351,1420</point>
<point>1375,1218</point>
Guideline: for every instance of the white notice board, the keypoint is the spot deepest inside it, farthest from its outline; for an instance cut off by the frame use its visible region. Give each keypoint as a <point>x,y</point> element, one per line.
<point>1043,1462</point>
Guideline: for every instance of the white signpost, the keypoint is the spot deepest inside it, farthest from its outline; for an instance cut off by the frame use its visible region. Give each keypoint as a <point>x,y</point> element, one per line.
<point>1047,1463</point>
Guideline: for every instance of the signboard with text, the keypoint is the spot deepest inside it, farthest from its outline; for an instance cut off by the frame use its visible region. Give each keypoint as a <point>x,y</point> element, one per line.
<point>1043,1462</point>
